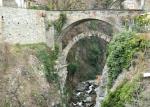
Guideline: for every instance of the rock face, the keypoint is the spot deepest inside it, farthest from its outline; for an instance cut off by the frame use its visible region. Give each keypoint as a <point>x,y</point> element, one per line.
<point>84,95</point>
<point>101,91</point>
<point>23,82</point>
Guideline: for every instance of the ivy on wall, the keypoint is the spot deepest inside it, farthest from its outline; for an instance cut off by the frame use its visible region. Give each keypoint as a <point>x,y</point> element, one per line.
<point>124,45</point>
<point>59,23</point>
<point>121,51</point>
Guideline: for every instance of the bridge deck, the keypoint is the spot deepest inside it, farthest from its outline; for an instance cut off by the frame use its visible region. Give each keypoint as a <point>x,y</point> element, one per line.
<point>102,9</point>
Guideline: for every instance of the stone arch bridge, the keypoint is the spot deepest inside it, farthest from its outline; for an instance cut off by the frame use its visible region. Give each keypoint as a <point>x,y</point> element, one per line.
<point>27,26</point>
<point>61,63</point>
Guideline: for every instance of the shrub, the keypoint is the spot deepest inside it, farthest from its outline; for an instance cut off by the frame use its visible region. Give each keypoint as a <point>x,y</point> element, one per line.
<point>94,53</point>
<point>120,53</point>
<point>123,94</point>
<point>59,23</point>
<point>141,23</point>
<point>72,68</point>
<point>48,58</point>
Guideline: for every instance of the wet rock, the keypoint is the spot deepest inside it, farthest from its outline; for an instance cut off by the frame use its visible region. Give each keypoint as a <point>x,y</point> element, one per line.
<point>88,99</point>
<point>82,86</point>
<point>84,95</point>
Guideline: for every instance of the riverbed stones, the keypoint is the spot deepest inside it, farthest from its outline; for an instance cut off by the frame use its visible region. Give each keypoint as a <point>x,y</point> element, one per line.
<point>84,95</point>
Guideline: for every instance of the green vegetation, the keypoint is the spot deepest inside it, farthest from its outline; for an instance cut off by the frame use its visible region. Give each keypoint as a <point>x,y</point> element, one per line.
<point>124,45</point>
<point>123,94</point>
<point>7,103</point>
<point>140,23</point>
<point>40,7</point>
<point>59,23</point>
<point>39,99</point>
<point>72,68</point>
<point>47,58</point>
<point>106,3</point>
<point>89,62</point>
<point>94,53</point>
<point>121,51</point>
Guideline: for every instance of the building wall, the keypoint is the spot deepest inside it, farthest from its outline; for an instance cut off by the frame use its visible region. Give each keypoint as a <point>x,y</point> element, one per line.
<point>147,5</point>
<point>132,4</point>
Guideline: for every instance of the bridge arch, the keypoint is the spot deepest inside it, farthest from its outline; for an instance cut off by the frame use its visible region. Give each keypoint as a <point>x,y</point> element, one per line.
<point>104,16</point>
<point>81,36</point>
<point>69,28</point>
<point>61,65</point>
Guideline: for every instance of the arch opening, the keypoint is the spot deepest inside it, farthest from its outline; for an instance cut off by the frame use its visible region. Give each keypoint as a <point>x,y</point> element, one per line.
<point>86,60</point>
<point>70,39</point>
<point>86,47</point>
<point>85,25</point>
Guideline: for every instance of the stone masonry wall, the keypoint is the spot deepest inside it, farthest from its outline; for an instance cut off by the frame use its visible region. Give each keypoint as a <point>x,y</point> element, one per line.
<point>22,26</point>
<point>26,26</point>
<point>9,3</point>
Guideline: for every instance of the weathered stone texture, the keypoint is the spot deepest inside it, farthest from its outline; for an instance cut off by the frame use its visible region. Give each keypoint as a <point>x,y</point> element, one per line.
<point>25,26</point>
<point>22,26</point>
<point>0,30</point>
<point>147,5</point>
<point>10,3</point>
